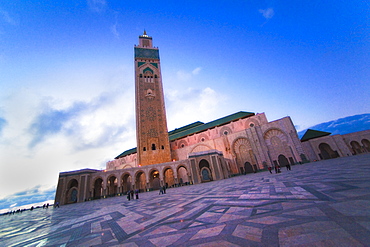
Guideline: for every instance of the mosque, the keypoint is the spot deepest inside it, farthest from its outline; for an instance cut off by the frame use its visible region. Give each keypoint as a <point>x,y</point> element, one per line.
<point>237,144</point>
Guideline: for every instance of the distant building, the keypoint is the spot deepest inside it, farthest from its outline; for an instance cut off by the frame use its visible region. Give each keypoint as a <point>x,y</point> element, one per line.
<point>243,142</point>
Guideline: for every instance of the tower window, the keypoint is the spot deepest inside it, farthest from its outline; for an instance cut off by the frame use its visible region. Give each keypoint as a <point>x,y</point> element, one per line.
<point>141,75</point>
<point>162,147</point>
<point>144,149</point>
<point>145,42</point>
<point>153,146</point>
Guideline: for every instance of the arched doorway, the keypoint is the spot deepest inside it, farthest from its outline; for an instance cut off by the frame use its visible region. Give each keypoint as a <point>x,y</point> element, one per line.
<point>303,158</point>
<point>154,180</point>
<point>140,181</point>
<point>112,185</point>
<point>243,153</point>
<point>283,161</point>
<point>366,144</point>
<point>169,179</point>
<point>182,175</point>
<point>126,183</point>
<point>356,147</point>
<point>98,188</point>
<point>72,192</point>
<point>326,152</point>
<point>248,167</point>
<point>205,171</point>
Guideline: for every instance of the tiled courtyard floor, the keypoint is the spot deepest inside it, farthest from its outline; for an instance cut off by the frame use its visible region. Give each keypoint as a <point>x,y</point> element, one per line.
<point>324,203</point>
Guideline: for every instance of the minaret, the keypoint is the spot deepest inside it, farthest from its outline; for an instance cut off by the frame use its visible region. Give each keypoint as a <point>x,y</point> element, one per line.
<point>153,145</point>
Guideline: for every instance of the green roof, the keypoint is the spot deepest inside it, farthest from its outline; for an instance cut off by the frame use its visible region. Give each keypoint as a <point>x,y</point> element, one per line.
<point>127,152</point>
<point>215,123</point>
<point>197,127</point>
<point>186,127</point>
<point>312,134</point>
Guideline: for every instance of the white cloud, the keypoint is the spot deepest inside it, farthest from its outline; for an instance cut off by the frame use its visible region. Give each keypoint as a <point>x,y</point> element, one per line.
<point>114,31</point>
<point>191,105</point>
<point>70,135</point>
<point>183,75</point>
<point>267,13</point>
<point>113,28</point>
<point>196,71</point>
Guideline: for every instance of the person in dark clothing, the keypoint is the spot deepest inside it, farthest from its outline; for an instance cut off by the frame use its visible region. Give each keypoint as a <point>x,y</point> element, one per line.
<point>164,189</point>
<point>269,168</point>
<point>137,194</point>
<point>132,194</point>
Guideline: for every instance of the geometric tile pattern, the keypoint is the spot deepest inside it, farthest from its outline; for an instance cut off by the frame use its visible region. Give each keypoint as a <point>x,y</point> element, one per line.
<point>325,203</point>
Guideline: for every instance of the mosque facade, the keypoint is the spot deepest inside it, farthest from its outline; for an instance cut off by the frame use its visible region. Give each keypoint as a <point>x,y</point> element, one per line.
<point>237,144</point>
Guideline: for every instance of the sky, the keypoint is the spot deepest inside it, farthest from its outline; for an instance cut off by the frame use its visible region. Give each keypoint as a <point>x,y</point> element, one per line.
<point>67,73</point>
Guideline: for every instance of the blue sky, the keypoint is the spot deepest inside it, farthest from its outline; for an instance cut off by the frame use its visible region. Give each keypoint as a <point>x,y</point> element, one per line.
<point>67,83</point>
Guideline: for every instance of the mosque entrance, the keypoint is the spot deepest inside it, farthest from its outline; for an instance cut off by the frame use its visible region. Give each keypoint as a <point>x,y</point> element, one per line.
<point>154,180</point>
<point>205,171</point>
<point>72,191</point>
<point>140,183</point>
<point>112,186</point>
<point>182,175</point>
<point>126,183</point>
<point>98,188</point>
<point>283,161</point>
<point>356,147</point>
<point>169,179</point>
<point>248,167</point>
<point>326,152</point>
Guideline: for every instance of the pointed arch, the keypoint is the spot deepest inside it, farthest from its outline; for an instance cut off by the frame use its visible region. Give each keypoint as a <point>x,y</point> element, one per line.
<point>242,149</point>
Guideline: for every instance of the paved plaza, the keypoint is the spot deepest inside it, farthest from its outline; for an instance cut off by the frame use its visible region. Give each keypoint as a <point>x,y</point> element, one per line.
<point>324,203</point>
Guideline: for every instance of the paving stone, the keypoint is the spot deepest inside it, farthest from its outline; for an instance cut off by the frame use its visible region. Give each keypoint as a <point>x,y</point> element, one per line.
<point>325,203</point>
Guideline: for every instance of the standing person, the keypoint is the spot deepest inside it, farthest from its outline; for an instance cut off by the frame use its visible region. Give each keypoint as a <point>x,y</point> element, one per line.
<point>164,189</point>
<point>269,168</point>
<point>137,194</point>
<point>132,194</point>
<point>128,195</point>
<point>276,169</point>
<point>160,190</point>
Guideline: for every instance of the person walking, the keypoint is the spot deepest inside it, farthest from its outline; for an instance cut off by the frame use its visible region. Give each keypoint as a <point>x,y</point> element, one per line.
<point>269,168</point>
<point>137,194</point>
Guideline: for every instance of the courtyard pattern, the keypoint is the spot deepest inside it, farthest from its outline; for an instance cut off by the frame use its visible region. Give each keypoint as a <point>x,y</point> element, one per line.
<point>324,203</point>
